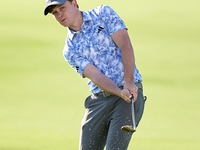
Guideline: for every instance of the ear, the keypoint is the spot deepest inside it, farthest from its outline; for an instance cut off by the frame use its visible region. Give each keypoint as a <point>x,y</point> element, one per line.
<point>74,3</point>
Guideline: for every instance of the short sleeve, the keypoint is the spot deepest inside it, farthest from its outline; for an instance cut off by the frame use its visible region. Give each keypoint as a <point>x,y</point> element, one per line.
<point>75,60</point>
<point>111,19</point>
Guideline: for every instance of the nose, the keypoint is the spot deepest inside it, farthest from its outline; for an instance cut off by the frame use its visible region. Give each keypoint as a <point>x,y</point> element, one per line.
<point>59,14</point>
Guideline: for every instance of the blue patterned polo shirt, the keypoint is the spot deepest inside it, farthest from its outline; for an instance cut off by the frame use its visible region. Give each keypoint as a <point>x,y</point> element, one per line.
<point>93,44</point>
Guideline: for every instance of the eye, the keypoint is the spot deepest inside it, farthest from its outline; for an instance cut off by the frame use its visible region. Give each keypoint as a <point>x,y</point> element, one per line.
<point>54,13</point>
<point>62,7</point>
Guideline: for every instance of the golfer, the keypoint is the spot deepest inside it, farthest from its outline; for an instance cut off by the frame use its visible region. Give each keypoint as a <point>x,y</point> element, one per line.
<point>98,47</point>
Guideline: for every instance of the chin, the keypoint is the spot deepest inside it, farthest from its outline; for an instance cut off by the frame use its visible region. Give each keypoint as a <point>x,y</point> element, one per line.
<point>64,25</point>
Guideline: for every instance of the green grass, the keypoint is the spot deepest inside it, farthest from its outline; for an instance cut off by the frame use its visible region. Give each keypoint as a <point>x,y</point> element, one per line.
<point>42,98</point>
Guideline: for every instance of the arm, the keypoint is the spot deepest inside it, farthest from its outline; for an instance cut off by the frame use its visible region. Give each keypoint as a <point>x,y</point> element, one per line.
<point>105,83</point>
<point>122,40</point>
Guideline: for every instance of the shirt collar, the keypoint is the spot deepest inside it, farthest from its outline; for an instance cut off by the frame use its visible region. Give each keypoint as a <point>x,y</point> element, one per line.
<point>86,17</point>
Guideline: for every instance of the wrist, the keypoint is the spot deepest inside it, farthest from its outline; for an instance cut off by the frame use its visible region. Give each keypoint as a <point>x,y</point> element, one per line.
<point>128,81</point>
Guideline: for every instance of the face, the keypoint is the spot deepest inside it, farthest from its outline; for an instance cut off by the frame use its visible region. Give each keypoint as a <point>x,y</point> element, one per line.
<point>66,13</point>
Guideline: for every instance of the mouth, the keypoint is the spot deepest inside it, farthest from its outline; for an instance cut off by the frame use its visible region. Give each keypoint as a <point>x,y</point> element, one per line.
<point>63,20</point>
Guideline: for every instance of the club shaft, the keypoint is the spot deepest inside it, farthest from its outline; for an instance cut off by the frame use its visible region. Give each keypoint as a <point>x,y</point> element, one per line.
<point>133,114</point>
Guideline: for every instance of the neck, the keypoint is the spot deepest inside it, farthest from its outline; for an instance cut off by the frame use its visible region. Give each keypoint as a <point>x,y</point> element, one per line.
<point>78,22</point>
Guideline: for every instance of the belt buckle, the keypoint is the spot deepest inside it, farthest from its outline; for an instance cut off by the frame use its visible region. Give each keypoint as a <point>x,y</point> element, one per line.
<point>106,94</point>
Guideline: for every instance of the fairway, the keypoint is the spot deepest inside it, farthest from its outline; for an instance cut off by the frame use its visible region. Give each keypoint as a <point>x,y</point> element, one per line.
<point>42,97</point>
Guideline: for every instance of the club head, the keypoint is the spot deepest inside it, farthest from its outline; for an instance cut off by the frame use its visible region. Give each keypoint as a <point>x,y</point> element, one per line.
<point>127,128</point>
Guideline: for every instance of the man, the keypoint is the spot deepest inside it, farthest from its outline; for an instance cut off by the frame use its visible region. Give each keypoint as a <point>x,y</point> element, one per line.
<point>98,47</point>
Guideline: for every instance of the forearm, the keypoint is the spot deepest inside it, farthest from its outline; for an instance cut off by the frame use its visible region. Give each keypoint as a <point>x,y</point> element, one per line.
<point>106,84</point>
<point>102,81</point>
<point>128,62</point>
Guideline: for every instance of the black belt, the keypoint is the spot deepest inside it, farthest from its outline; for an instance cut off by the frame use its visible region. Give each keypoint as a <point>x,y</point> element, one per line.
<point>106,94</point>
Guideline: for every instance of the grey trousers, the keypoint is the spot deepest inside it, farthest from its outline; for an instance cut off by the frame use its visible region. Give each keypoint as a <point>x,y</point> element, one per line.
<point>103,119</point>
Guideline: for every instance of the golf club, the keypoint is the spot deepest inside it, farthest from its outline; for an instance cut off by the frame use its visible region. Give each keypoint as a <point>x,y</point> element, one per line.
<point>128,128</point>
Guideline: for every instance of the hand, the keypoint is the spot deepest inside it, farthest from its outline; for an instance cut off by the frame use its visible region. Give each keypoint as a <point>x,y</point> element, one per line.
<point>132,88</point>
<point>125,94</point>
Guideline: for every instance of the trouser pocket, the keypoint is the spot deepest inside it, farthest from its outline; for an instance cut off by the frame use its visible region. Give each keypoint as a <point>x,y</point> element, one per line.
<point>87,101</point>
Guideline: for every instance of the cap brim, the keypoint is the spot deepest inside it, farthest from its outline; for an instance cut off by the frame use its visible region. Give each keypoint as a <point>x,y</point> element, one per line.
<point>46,11</point>
<point>54,3</point>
